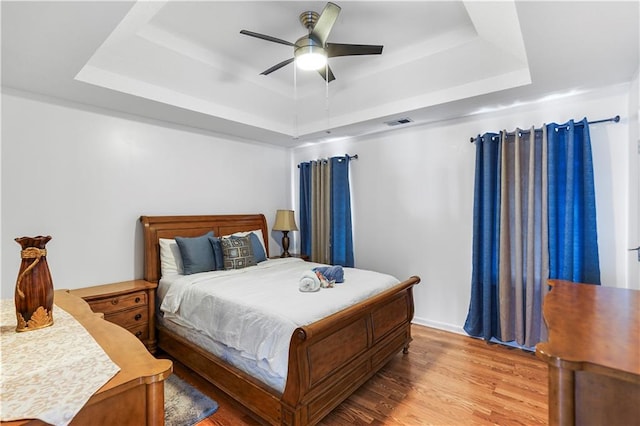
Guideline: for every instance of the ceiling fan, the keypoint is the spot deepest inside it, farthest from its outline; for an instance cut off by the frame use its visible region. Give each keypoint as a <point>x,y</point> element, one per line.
<point>312,50</point>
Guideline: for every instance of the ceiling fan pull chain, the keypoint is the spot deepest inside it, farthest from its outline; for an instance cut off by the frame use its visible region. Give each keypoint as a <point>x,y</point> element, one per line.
<point>326,85</point>
<point>295,103</point>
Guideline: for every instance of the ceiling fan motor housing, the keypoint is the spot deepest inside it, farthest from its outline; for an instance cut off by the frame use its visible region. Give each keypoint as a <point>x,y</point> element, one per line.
<point>308,43</point>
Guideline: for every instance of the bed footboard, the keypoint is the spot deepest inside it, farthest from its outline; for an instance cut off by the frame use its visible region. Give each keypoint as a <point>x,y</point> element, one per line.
<point>330,359</point>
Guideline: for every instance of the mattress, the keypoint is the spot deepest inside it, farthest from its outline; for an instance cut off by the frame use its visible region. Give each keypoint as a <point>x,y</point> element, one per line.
<point>247,316</point>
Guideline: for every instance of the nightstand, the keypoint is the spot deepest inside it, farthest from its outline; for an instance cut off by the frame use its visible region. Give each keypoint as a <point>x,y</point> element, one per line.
<point>130,304</point>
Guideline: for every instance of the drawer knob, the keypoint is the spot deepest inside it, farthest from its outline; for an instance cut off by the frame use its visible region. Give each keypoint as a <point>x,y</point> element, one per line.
<point>137,299</point>
<point>137,317</point>
<point>114,301</point>
<point>138,334</point>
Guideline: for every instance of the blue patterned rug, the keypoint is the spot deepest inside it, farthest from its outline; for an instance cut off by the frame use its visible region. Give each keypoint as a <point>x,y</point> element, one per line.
<point>184,405</point>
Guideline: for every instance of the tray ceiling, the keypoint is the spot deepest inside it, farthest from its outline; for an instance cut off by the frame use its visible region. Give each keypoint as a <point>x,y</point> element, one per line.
<point>186,62</point>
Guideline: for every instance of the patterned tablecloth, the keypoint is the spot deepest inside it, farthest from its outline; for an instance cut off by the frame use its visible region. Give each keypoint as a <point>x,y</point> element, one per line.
<point>50,373</point>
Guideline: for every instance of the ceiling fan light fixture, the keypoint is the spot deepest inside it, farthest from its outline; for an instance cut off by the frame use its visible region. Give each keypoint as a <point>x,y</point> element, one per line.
<point>313,59</point>
<point>309,54</point>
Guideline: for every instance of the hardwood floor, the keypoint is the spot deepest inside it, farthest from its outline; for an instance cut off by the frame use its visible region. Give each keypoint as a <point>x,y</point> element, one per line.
<point>446,379</point>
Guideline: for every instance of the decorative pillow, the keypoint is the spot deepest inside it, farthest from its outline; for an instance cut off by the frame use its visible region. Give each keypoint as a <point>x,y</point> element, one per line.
<point>217,252</point>
<point>197,254</point>
<point>256,245</point>
<point>170,258</point>
<point>237,252</point>
<point>258,235</point>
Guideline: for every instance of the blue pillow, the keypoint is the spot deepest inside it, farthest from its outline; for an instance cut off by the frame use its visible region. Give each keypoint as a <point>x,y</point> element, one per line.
<point>217,252</point>
<point>256,245</point>
<point>197,253</point>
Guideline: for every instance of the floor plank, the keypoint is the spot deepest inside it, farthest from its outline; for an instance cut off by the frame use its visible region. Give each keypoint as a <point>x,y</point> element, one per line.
<point>445,379</point>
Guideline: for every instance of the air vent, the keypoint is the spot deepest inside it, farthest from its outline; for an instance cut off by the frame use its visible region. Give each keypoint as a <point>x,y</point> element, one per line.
<point>398,122</point>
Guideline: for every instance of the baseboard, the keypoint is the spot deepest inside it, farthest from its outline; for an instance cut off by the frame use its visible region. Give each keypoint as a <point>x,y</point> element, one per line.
<point>459,330</point>
<point>440,325</point>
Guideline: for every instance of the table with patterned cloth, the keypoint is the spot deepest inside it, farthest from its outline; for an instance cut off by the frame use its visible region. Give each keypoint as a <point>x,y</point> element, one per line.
<point>49,373</point>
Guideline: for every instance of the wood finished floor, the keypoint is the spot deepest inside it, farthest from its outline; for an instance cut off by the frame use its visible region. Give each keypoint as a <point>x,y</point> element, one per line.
<point>446,379</point>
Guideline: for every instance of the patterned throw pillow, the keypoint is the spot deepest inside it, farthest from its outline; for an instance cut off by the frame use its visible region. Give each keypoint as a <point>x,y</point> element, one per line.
<point>237,252</point>
<point>258,249</point>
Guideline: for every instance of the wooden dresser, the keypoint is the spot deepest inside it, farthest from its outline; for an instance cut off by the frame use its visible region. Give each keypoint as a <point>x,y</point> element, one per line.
<point>593,354</point>
<point>130,304</point>
<point>135,395</point>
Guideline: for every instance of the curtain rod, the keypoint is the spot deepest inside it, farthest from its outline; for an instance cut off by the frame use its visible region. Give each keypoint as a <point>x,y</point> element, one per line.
<point>350,157</point>
<point>604,120</point>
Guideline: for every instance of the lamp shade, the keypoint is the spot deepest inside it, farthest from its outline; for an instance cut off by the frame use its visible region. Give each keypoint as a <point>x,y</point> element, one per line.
<point>285,221</point>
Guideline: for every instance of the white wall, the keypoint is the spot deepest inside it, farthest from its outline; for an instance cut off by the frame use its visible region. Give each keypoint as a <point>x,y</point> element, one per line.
<point>412,194</point>
<point>85,176</point>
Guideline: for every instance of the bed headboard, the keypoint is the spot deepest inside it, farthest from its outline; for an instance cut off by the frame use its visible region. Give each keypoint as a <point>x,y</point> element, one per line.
<point>156,227</point>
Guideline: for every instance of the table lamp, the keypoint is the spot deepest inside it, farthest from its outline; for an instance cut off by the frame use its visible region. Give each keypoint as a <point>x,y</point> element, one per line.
<point>285,222</point>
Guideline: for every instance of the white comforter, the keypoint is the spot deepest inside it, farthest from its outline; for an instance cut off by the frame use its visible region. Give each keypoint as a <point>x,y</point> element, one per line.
<point>255,310</point>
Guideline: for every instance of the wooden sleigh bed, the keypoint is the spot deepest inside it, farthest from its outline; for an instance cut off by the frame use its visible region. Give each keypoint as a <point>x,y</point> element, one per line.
<point>328,359</point>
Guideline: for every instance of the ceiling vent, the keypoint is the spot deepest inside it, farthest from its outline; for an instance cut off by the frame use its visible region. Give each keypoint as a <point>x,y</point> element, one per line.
<point>398,122</point>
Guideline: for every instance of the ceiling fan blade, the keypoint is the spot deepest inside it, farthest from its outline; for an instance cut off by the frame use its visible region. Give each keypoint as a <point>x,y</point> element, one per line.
<point>322,72</point>
<point>277,66</point>
<point>325,22</point>
<point>335,49</point>
<point>266,37</point>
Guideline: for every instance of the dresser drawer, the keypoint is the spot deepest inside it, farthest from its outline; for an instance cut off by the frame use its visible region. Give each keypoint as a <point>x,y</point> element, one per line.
<point>141,331</point>
<point>119,302</point>
<point>130,318</point>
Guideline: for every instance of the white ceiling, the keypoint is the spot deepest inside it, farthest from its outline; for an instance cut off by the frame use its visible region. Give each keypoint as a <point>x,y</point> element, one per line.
<point>186,62</point>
